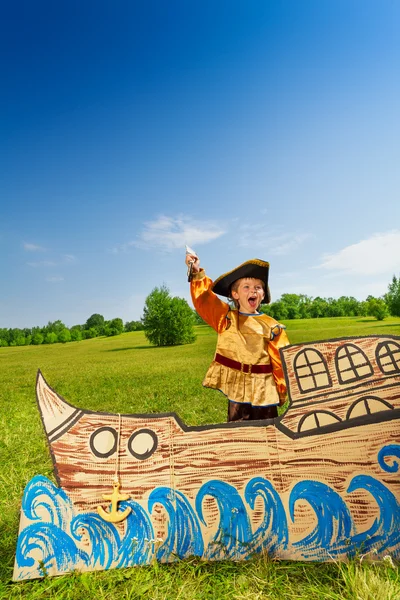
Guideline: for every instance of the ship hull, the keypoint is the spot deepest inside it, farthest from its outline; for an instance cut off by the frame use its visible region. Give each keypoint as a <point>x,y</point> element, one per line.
<point>220,491</point>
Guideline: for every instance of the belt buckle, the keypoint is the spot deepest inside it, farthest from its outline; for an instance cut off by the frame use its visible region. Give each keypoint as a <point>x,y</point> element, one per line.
<point>242,365</point>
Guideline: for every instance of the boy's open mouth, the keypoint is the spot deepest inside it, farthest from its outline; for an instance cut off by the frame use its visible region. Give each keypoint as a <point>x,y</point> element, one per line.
<point>252,301</point>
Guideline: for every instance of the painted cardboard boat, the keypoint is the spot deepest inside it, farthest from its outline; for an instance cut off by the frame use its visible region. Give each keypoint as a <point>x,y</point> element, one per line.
<point>321,482</point>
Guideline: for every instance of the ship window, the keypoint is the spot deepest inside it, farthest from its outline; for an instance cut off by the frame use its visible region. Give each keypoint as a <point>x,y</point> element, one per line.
<point>142,443</point>
<point>352,364</point>
<point>388,357</point>
<point>103,442</point>
<point>311,371</point>
<point>367,406</point>
<point>317,419</point>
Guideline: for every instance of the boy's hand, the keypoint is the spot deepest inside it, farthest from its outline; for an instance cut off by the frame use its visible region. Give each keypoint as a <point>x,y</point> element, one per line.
<point>192,259</point>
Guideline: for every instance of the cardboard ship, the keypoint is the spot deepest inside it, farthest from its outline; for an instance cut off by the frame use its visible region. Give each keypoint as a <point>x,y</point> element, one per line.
<point>321,482</point>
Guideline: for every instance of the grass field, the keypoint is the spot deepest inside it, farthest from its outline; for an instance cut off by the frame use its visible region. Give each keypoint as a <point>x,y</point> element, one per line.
<point>124,374</point>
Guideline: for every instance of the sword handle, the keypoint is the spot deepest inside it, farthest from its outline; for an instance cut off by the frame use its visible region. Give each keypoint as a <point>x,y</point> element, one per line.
<point>190,271</point>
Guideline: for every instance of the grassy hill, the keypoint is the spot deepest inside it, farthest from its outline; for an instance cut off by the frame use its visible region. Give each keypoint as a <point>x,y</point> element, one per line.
<point>124,374</point>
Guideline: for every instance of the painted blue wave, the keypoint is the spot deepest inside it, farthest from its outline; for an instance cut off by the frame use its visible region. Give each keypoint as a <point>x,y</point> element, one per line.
<point>384,534</point>
<point>41,546</point>
<point>184,536</point>
<point>387,452</point>
<point>273,532</point>
<point>233,536</point>
<point>43,501</point>
<point>103,538</point>
<point>46,542</point>
<point>334,523</point>
<point>136,548</point>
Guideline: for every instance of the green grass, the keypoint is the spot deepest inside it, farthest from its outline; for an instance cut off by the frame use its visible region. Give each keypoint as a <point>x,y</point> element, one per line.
<point>124,374</point>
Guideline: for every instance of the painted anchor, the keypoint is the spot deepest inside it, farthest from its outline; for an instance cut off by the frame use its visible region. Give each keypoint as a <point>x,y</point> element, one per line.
<point>114,516</point>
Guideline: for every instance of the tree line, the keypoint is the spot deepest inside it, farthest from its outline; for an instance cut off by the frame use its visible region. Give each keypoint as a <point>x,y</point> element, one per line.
<point>301,306</point>
<point>56,332</point>
<point>168,320</point>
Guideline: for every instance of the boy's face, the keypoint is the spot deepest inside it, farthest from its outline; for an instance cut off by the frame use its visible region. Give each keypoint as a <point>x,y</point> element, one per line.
<point>249,293</point>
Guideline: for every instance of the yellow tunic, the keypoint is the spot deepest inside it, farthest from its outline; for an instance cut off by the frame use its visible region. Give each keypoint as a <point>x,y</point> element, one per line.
<point>248,339</point>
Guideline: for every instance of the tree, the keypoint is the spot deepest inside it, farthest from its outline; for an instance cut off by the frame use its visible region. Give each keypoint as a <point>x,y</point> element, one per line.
<point>350,306</point>
<point>37,339</point>
<point>335,309</point>
<point>51,338</point>
<point>95,321</point>
<point>277,310</point>
<point>90,333</point>
<point>133,326</point>
<point>64,336</point>
<point>55,327</point>
<point>293,312</point>
<point>116,326</point>
<point>167,321</point>
<point>377,308</point>
<point>393,297</point>
<point>76,333</point>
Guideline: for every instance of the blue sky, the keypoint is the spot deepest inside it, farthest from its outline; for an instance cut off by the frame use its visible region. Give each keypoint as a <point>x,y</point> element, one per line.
<point>265,129</point>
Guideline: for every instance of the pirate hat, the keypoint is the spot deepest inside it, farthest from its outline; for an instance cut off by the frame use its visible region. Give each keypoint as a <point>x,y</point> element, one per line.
<point>255,268</point>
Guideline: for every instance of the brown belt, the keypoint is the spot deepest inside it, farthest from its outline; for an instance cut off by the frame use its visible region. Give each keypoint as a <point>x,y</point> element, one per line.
<point>247,369</point>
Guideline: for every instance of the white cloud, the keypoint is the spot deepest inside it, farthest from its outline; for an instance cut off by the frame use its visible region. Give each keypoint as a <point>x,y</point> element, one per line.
<point>41,263</point>
<point>289,243</point>
<point>376,255</point>
<point>69,259</point>
<point>169,233</point>
<point>55,279</point>
<point>33,247</point>
<point>66,259</point>
<point>271,241</point>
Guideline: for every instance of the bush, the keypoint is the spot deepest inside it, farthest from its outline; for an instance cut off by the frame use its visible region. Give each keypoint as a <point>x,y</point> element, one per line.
<point>76,334</point>
<point>167,321</point>
<point>51,338</point>
<point>133,326</point>
<point>377,308</point>
<point>114,327</point>
<point>64,336</point>
<point>37,339</point>
<point>90,333</point>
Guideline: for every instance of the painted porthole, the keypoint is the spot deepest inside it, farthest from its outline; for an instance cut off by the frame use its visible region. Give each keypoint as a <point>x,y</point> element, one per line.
<point>103,442</point>
<point>143,443</point>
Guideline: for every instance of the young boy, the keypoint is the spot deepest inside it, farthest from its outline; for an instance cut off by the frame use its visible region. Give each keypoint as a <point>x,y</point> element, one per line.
<point>247,366</point>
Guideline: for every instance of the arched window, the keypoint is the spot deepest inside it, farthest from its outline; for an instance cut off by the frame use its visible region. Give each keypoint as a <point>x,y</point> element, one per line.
<point>352,364</point>
<point>311,371</point>
<point>368,405</point>
<point>317,419</point>
<point>388,357</point>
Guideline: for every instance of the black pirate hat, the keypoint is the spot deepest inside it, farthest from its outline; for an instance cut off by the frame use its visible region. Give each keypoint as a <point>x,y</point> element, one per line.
<point>255,268</point>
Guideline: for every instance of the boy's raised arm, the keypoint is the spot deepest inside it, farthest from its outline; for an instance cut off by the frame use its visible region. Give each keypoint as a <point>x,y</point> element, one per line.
<point>207,304</point>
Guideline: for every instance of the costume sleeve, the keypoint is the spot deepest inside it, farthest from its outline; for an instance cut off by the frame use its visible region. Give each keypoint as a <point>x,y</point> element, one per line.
<point>278,340</point>
<point>213,310</point>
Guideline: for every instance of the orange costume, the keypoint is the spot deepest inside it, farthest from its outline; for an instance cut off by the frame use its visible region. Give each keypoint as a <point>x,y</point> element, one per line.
<point>247,366</point>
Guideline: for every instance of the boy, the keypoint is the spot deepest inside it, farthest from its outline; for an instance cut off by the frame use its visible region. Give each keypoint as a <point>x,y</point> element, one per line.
<point>247,366</point>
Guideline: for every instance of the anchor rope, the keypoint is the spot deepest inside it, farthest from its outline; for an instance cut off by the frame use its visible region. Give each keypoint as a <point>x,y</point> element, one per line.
<point>116,479</point>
